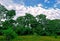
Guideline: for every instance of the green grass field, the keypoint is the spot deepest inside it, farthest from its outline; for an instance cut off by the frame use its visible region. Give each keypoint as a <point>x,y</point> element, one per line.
<point>35,38</point>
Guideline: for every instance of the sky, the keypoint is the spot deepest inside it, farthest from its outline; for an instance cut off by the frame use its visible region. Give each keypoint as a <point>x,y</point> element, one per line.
<point>51,8</point>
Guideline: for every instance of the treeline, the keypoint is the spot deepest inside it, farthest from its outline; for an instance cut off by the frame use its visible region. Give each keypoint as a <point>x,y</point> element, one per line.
<point>26,25</point>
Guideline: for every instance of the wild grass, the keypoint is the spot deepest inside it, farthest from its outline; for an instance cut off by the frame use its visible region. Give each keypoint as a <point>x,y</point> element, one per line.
<point>37,38</point>
<point>33,38</point>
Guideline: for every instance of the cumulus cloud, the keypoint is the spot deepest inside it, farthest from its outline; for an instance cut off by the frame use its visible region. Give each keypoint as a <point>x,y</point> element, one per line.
<point>6,2</point>
<point>51,13</point>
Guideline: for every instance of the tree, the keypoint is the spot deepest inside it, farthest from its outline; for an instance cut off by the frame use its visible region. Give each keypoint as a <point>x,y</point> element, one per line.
<point>3,11</point>
<point>30,20</point>
<point>27,23</point>
<point>22,27</point>
<point>41,28</point>
<point>10,14</point>
<point>7,27</point>
<point>53,27</point>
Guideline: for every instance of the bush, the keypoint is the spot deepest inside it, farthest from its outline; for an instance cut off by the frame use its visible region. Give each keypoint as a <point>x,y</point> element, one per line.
<point>23,30</point>
<point>9,34</point>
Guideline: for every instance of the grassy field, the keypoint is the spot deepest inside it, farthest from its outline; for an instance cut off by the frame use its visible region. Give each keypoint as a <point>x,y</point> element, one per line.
<point>35,38</point>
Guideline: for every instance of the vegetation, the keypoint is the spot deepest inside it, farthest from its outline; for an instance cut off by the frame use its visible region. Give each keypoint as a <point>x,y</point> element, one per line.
<point>27,25</point>
<point>36,38</point>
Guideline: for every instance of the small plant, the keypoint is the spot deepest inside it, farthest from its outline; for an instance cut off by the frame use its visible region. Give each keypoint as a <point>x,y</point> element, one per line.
<point>55,35</point>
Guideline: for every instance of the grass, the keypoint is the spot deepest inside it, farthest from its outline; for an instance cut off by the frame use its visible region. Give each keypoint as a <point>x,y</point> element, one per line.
<point>34,38</point>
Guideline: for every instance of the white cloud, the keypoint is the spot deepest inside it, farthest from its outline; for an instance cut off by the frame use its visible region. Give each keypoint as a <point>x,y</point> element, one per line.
<point>57,3</point>
<point>36,10</point>
<point>50,13</point>
<point>47,1</point>
<point>6,2</point>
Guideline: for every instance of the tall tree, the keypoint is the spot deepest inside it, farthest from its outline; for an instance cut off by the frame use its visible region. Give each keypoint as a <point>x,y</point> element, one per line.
<point>3,11</point>
<point>41,28</point>
<point>30,20</point>
<point>10,14</point>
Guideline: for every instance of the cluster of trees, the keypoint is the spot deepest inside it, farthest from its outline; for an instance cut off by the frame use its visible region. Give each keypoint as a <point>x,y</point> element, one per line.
<point>7,26</point>
<point>26,25</point>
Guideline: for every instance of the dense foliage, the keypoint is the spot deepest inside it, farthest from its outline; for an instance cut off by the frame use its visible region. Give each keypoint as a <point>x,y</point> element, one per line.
<point>27,25</point>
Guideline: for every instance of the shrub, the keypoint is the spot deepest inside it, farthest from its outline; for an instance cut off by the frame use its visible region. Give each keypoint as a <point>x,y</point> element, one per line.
<point>9,34</point>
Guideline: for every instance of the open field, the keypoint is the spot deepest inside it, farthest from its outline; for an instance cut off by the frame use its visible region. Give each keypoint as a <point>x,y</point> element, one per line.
<point>34,38</point>
<point>37,38</point>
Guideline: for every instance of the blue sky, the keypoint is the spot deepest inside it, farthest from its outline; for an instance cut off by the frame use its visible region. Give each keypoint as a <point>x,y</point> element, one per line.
<point>51,8</point>
<point>46,3</point>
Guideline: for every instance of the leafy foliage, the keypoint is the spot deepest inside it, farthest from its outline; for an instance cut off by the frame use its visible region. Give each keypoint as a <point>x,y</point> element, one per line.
<point>27,25</point>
